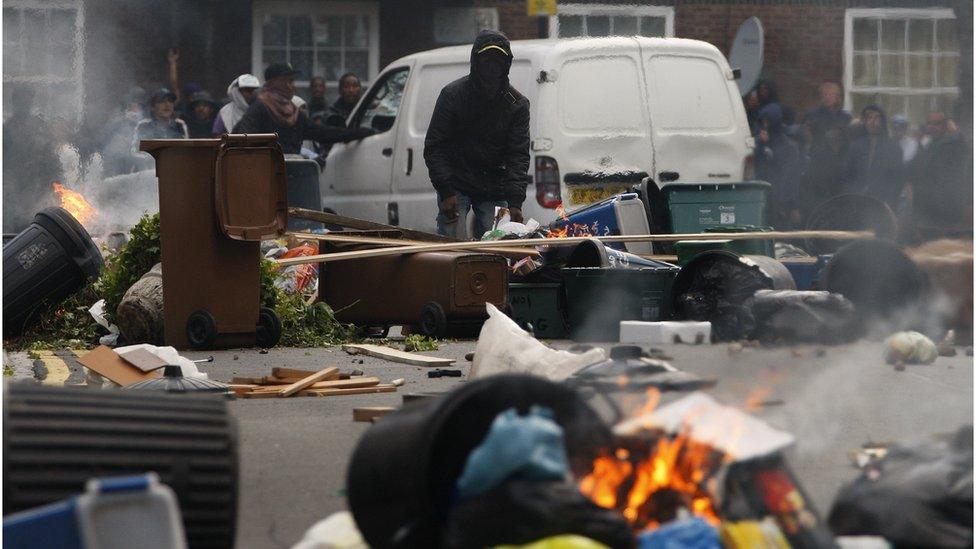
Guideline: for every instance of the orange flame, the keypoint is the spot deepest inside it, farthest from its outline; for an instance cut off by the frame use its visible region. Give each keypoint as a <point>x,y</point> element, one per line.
<point>676,469</point>
<point>76,204</point>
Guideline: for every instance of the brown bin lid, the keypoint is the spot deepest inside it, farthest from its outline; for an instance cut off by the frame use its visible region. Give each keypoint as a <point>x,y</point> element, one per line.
<point>251,189</point>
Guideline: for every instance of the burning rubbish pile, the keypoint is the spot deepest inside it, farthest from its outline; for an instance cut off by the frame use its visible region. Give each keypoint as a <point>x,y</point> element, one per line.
<point>510,459</point>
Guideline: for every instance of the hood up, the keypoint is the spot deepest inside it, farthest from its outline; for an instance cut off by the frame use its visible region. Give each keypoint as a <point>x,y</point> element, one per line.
<point>490,41</point>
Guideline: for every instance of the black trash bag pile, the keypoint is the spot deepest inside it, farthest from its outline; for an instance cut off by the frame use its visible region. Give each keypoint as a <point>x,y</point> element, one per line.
<point>718,292</point>
<point>802,316</point>
<point>916,496</point>
<point>520,512</point>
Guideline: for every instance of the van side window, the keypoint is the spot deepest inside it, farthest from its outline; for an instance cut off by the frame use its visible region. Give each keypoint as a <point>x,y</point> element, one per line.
<point>381,106</point>
<point>688,93</point>
<point>601,94</point>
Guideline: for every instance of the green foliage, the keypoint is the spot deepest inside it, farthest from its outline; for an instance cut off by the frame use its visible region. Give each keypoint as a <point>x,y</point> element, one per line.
<point>123,269</point>
<point>302,325</point>
<point>68,326</point>
<point>419,342</point>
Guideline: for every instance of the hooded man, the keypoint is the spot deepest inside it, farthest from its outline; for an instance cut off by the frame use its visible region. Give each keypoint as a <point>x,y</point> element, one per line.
<point>942,182</point>
<point>200,115</point>
<point>874,166</point>
<point>274,111</point>
<point>778,163</point>
<point>241,93</point>
<point>477,145</point>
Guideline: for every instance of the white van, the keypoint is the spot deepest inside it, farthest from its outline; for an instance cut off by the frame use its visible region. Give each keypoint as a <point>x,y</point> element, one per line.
<point>605,113</point>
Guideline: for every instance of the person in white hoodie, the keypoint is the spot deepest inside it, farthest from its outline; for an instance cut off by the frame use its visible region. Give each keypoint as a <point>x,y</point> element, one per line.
<point>241,92</point>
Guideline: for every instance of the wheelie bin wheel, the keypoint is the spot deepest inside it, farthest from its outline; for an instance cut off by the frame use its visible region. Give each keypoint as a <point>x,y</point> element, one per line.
<point>269,328</point>
<point>433,321</point>
<point>201,329</point>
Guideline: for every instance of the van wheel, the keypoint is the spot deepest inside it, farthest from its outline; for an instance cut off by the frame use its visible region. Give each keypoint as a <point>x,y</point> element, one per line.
<point>433,321</point>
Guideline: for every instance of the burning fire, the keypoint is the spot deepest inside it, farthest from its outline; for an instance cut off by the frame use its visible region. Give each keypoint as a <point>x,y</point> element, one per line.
<point>76,204</point>
<point>649,485</point>
<point>571,229</point>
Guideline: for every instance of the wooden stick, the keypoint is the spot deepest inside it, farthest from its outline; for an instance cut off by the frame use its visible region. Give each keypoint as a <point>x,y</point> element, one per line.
<point>338,237</point>
<point>306,381</point>
<point>363,225</point>
<point>358,391</point>
<point>370,413</point>
<point>480,245</point>
<point>336,384</point>
<point>282,372</point>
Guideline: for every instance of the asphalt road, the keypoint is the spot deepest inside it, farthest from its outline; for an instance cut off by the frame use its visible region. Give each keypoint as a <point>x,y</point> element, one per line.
<point>294,452</point>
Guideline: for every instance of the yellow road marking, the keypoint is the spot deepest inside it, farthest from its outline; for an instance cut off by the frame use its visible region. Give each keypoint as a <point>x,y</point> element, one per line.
<point>57,370</point>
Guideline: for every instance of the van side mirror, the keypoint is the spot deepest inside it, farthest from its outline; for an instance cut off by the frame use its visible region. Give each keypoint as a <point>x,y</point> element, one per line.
<point>736,73</point>
<point>382,123</point>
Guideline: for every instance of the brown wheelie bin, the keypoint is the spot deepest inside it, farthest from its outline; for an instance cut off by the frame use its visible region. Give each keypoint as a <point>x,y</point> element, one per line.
<point>218,198</point>
<point>436,292</point>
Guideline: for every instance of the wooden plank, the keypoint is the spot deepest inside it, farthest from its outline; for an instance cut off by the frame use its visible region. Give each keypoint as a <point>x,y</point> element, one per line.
<point>143,359</point>
<point>240,389</point>
<point>355,391</point>
<point>396,355</point>
<point>306,381</point>
<point>281,372</point>
<point>246,381</point>
<point>573,240</point>
<point>338,237</point>
<point>338,384</point>
<point>111,366</point>
<point>370,413</point>
<point>362,224</point>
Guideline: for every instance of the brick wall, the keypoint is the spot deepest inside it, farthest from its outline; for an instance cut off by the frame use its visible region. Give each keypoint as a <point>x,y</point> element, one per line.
<point>804,45</point>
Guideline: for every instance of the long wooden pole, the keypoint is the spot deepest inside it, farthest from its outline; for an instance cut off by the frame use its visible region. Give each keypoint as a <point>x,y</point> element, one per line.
<point>481,245</point>
<point>378,241</point>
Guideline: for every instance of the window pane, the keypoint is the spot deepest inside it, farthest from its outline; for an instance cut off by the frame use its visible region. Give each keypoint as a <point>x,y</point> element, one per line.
<point>329,65</point>
<point>946,35</point>
<point>865,69</point>
<point>301,60</point>
<point>949,71</point>
<point>598,25</point>
<point>357,62</point>
<point>861,100</point>
<point>920,35</point>
<point>273,55</point>
<point>35,31</point>
<point>624,25</point>
<point>327,31</point>
<point>918,107</point>
<point>946,103</point>
<point>920,71</point>
<point>385,103</point>
<point>866,34</point>
<point>13,57</point>
<point>11,26</point>
<point>892,70</point>
<point>893,35</point>
<point>570,26</point>
<point>892,104</point>
<point>299,31</point>
<point>62,60</point>
<point>357,31</point>
<point>273,30</point>
<point>652,26</point>
<point>62,25</point>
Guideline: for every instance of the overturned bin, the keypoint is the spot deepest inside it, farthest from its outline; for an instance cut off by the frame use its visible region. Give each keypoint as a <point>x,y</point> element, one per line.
<point>218,198</point>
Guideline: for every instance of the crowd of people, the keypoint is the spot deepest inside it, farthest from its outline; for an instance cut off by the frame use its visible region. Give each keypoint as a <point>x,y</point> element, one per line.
<point>924,176</point>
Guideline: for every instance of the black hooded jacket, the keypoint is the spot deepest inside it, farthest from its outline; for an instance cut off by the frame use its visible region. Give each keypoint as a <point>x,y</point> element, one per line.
<point>874,164</point>
<point>478,145</point>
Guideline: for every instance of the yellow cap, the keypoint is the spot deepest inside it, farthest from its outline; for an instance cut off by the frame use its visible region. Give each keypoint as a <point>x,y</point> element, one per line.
<point>492,46</point>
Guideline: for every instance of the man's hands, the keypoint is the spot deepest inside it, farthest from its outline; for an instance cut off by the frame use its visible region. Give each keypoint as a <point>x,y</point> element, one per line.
<point>516,215</point>
<point>449,206</point>
<point>173,55</point>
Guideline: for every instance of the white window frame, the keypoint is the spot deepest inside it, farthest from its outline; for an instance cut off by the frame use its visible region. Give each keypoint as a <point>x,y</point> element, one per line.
<point>74,83</point>
<point>299,7</point>
<point>603,9</point>
<point>885,13</point>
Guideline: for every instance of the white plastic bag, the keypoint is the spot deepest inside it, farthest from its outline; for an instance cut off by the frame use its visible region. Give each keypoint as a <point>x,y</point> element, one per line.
<point>503,347</point>
<point>337,531</point>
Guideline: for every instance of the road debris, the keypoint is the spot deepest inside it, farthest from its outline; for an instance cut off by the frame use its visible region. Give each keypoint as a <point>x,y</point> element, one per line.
<point>370,414</point>
<point>909,348</point>
<point>290,382</point>
<point>444,373</point>
<point>396,355</point>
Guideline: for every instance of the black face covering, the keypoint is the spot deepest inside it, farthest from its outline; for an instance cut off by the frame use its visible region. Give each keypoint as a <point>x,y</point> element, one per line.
<point>491,72</point>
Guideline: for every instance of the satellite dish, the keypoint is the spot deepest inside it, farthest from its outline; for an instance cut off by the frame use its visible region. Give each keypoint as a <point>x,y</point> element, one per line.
<point>747,54</point>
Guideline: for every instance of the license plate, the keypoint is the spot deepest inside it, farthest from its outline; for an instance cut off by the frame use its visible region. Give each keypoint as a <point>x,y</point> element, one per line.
<point>582,196</point>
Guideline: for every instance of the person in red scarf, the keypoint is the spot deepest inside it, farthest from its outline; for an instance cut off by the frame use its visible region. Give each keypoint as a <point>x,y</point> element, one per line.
<point>274,112</point>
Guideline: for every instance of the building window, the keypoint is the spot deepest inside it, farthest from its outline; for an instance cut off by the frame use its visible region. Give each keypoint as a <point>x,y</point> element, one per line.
<point>42,48</point>
<point>324,39</point>
<point>574,20</point>
<point>906,60</point>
